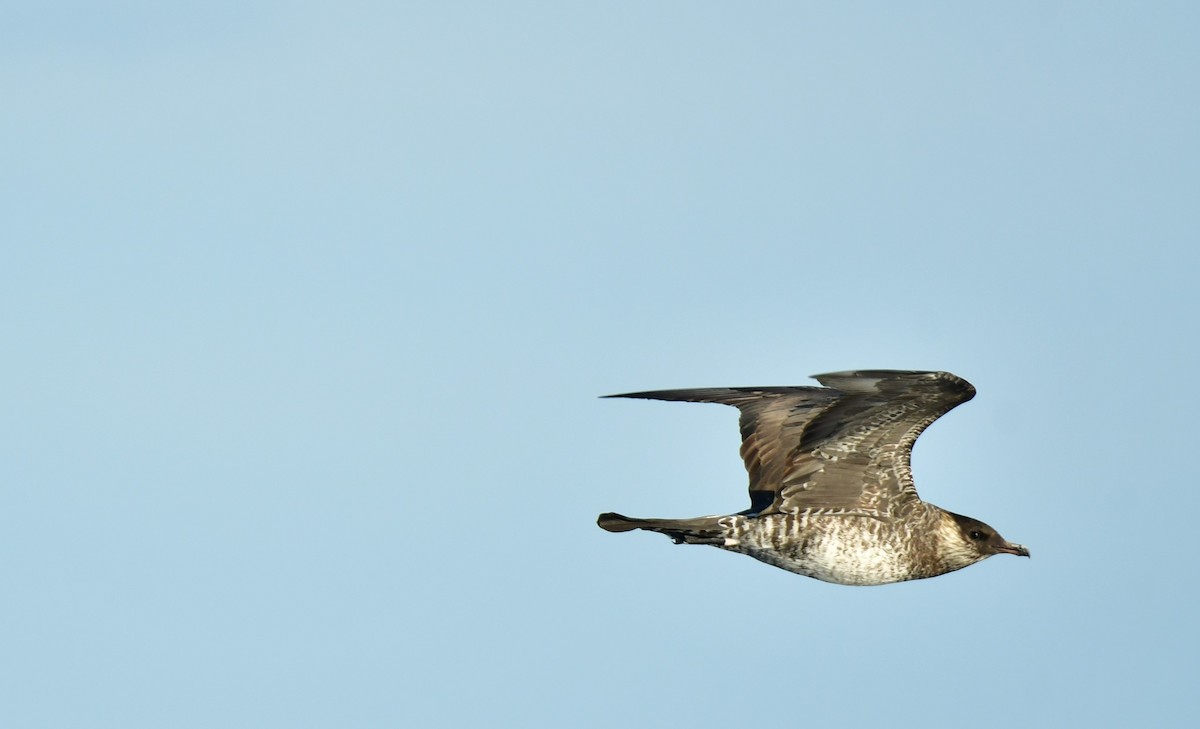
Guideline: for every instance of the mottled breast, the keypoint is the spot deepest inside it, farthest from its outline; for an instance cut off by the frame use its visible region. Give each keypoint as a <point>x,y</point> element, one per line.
<point>847,550</point>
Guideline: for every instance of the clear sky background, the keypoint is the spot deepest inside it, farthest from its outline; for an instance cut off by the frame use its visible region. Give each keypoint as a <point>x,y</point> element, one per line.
<point>306,307</point>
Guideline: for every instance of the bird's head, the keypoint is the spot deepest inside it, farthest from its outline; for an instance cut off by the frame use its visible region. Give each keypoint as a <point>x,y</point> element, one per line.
<point>977,539</point>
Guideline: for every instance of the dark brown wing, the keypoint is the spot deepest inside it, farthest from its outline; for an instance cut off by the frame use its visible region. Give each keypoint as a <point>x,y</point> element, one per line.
<point>843,448</point>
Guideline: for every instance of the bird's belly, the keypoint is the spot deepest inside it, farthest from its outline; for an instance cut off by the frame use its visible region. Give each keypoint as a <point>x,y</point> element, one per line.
<point>847,551</point>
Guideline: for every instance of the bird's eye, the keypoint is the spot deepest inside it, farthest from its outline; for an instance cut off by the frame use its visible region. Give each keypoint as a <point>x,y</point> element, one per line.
<point>977,535</point>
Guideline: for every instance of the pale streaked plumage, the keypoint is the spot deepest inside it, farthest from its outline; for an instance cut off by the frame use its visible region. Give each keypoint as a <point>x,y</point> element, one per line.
<point>831,488</point>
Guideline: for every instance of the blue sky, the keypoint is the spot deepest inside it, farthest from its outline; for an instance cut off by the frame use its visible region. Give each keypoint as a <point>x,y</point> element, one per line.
<point>305,309</point>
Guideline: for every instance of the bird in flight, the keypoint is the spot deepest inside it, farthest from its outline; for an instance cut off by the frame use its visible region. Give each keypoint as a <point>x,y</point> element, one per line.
<point>831,487</point>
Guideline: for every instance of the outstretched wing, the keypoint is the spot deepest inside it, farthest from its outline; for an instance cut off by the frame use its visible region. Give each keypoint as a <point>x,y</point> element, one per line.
<point>842,448</point>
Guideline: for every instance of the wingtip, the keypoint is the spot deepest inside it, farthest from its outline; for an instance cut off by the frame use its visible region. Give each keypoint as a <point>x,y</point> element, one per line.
<point>648,395</point>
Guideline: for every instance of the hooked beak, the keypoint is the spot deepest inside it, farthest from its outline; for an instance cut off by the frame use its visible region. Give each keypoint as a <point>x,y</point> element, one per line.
<point>1017,549</point>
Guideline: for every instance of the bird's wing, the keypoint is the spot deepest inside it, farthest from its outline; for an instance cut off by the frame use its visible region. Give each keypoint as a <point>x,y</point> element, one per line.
<point>843,448</point>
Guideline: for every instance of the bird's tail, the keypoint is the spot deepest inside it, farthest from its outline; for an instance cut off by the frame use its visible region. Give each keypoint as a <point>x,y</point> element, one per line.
<point>701,530</point>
